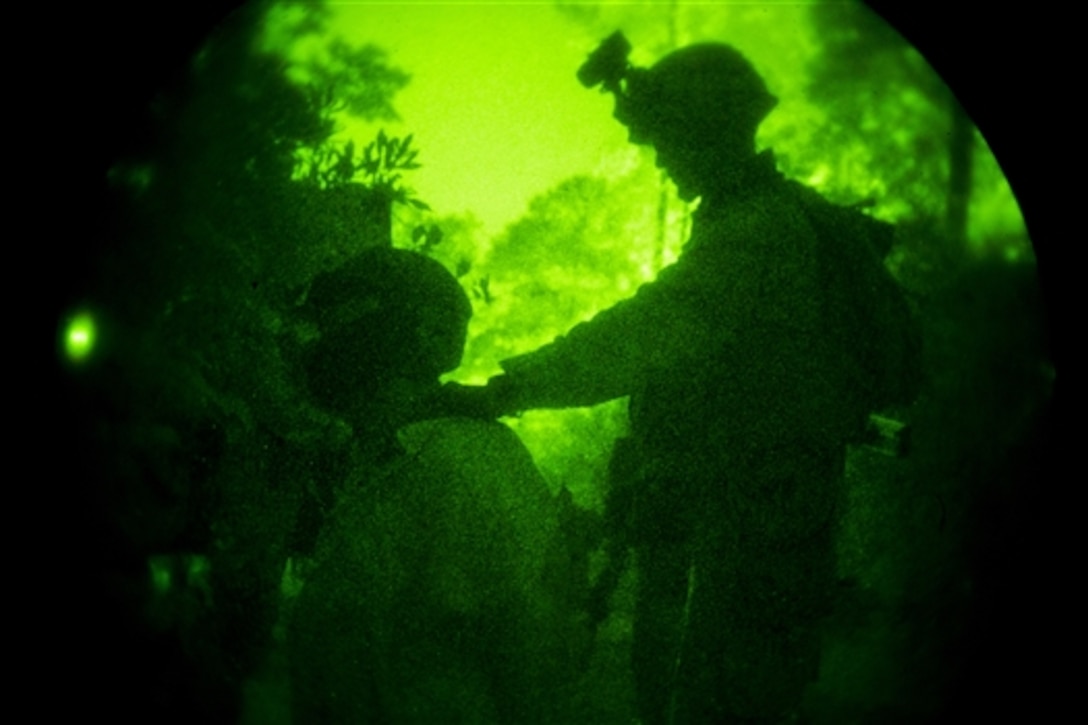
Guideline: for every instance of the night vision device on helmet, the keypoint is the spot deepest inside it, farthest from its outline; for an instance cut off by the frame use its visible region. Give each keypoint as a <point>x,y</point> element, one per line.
<point>706,90</point>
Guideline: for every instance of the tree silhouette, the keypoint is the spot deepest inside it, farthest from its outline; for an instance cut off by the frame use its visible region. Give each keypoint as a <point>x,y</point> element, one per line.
<point>206,438</point>
<point>872,83</point>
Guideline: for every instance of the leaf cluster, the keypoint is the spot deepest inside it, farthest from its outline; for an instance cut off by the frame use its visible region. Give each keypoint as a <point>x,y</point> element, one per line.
<point>426,237</point>
<point>355,80</point>
<point>379,167</point>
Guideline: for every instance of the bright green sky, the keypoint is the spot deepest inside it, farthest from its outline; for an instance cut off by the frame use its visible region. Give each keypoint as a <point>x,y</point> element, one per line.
<point>497,113</point>
<point>499,117</point>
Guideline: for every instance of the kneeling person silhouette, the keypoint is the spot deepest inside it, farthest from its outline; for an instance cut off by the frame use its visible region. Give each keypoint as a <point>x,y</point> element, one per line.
<point>437,593</point>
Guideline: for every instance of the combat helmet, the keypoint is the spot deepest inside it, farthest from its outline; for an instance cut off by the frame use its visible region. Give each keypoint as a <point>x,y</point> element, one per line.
<point>387,312</point>
<point>707,88</point>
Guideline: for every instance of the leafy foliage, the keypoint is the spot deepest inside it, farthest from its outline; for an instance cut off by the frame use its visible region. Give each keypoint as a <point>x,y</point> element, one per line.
<point>357,80</point>
<point>451,239</point>
<point>382,159</point>
<point>379,167</point>
<point>583,245</point>
<point>373,180</point>
<point>866,78</point>
<point>426,238</point>
<point>216,245</point>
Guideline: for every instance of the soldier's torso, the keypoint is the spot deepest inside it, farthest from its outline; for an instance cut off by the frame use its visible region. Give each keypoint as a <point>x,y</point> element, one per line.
<point>777,377</point>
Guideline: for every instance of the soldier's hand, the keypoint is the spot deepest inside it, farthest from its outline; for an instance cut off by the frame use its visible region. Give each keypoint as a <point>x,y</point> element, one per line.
<point>486,402</point>
<point>469,401</point>
<point>504,395</point>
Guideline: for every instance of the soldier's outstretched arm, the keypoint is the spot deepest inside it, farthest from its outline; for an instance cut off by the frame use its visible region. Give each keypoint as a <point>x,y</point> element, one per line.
<point>693,309</point>
<point>718,291</point>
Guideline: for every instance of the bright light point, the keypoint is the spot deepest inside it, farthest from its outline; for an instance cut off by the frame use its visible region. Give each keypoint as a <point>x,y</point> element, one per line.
<point>79,337</point>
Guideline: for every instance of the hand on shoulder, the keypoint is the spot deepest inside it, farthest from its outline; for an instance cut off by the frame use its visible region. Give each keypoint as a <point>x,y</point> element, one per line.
<point>483,402</point>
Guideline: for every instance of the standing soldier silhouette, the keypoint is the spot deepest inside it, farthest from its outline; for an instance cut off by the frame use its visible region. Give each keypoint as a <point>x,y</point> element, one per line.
<point>750,363</point>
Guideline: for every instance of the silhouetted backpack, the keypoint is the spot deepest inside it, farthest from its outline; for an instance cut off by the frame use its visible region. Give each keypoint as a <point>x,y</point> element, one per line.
<point>872,324</point>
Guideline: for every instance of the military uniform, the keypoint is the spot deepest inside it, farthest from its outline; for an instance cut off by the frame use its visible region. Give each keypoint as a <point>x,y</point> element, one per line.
<point>738,435</point>
<point>436,595</point>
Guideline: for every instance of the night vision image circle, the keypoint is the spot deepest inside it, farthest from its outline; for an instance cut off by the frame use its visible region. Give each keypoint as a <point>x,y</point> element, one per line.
<point>559,363</point>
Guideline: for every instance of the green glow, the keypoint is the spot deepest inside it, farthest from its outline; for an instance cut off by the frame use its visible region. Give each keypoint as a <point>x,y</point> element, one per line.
<point>553,217</point>
<point>161,579</point>
<point>198,571</point>
<point>486,147</point>
<point>187,570</point>
<point>483,142</point>
<point>79,337</point>
<point>495,151</point>
<point>136,177</point>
